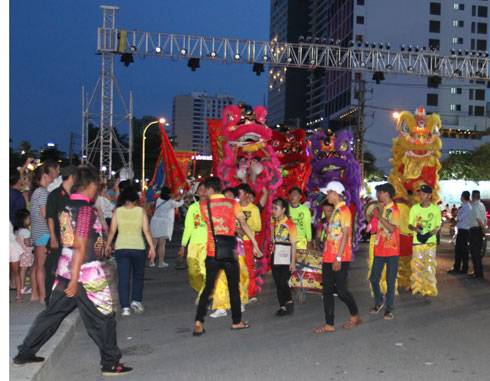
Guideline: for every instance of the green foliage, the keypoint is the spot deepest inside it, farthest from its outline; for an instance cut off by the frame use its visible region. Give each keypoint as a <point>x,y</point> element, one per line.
<point>472,166</point>
<point>371,172</point>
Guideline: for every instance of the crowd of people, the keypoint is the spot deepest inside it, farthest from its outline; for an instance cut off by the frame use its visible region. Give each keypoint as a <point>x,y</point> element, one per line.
<point>64,235</point>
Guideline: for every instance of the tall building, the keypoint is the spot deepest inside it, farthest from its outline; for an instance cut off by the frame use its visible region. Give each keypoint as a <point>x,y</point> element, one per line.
<point>287,87</point>
<point>189,114</point>
<point>332,99</point>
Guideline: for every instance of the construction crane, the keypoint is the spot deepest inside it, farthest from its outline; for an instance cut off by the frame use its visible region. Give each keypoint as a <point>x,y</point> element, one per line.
<point>358,57</point>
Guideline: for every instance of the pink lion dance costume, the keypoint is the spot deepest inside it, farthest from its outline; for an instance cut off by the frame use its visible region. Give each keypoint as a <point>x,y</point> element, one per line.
<point>249,158</point>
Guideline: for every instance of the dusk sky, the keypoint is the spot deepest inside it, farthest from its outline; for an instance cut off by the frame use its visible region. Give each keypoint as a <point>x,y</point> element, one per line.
<point>52,55</point>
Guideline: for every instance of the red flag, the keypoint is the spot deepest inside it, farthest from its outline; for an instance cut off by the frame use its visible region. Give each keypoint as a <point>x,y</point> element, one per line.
<point>217,142</point>
<point>173,171</point>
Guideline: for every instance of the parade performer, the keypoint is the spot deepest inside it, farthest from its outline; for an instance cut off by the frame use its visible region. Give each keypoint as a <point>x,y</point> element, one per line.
<point>425,222</point>
<point>301,216</point>
<point>291,147</point>
<point>416,153</point>
<point>249,158</point>
<point>82,281</point>
<point>195,237</point>
<point>332,160</point>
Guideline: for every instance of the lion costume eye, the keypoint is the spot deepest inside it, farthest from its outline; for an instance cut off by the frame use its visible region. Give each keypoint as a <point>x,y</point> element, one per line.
<point>344,146</point>
<point>404,128</point>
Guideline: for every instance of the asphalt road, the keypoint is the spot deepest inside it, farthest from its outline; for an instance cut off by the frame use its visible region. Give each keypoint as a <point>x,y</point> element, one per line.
<point>448,339</point>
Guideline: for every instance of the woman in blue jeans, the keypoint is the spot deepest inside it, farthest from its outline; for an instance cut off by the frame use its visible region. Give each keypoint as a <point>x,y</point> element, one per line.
<point>131,222</point>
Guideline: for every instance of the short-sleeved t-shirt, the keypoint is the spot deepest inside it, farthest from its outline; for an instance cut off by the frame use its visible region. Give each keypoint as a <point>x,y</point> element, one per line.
<point>57,201</point>
<point>79,218</point>
<point>224,212</point>
<point>39,226</point>
<point>195,230</point>
<point>426,218</point>
<point>252,215</point>
<point>284,231</point>
<point>388,244</point>
<point>341,218</point>
<point>301,217</point>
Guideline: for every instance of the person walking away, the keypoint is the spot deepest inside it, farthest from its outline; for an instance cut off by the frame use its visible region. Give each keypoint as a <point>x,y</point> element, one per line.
<point>131,222</point>
<point>81,282</point>
<point>301,216</point>
<point>252,216</point>
<point>463,225</point>
<point>337,256</point>
<point>195,237</point>
<point>284,255</point>
<point>386,250</point>
<point>56,202</point>
<point>224,213</point>
<point>23,237</point>
<point>43,176</point>
<point>425,222</point>
<point>477,231</point>
<point>162,223</point>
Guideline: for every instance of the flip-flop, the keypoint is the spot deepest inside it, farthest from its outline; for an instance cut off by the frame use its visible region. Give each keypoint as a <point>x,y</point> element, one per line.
<point>244,327</point>
<point>194,333</point>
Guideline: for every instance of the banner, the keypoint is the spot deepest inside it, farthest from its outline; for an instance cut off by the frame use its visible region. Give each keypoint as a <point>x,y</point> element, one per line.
<point>174,175</point>
<point>217,142</point>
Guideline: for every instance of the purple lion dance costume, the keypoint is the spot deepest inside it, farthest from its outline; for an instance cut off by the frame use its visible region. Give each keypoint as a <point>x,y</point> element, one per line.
<point>332,160</point>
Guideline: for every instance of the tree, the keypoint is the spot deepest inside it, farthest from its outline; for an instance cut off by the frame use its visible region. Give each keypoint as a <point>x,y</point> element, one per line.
<point>472,166</point>
<point>371,172</point>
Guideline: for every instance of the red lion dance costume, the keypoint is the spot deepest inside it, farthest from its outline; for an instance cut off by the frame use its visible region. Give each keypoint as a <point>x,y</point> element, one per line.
<point>415,162</point>
<point>249,158</point>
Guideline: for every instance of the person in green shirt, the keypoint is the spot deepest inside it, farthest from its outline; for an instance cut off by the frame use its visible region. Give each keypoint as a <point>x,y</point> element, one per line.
<point>425,222</point>
<point>195,237</point>
<point>301,216</point>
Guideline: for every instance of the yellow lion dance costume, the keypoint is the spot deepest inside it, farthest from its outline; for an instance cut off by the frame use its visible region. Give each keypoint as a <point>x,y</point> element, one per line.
<point>416,153</point>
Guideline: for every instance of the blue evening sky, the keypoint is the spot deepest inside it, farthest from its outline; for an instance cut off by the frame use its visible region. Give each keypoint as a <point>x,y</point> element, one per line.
<point>52,55</point>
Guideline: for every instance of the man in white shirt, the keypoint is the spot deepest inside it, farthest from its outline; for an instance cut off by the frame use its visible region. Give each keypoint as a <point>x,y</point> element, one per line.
<point>477,225</point>
<point>461,249</point>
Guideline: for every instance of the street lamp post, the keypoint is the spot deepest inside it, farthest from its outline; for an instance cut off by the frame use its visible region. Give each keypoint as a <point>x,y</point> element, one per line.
<point>161,121</point>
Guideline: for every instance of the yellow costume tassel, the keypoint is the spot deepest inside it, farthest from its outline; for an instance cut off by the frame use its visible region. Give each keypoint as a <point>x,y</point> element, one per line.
<point>301,244</point>
<point>221,296</point>
<point>196,255</point>
<point>424,270</point>
<point>404,272</point>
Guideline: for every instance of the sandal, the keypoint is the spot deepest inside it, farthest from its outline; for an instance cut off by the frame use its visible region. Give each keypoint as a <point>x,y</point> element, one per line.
<point>325,329</point>
<point>198,333</point>
<point>353,321</point>
<point>376,308</point>
<point>245,326</point>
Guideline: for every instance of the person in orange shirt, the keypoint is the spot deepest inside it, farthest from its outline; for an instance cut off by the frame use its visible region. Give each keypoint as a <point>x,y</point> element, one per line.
<point>386,250</point>
<point>337,256</point>
<point>224,213</point>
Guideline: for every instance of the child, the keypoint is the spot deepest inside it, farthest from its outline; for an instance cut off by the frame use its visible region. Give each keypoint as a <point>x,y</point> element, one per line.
<point>23,235</point>
<point>284,237</point>
<point>14,259</point>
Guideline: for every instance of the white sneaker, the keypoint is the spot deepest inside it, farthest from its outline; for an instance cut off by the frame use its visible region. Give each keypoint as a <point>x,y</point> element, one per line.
<point>219,313</point>
<point>137,307</point>
<point>164,264</point>
<point>243,308</point>
<point>126,311</point>
<point>252,300</point>
<point>152,264</point>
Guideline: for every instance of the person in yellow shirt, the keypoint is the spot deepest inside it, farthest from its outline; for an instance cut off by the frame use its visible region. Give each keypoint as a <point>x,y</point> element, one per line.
<point>301,216</point>
<point>195,237</point>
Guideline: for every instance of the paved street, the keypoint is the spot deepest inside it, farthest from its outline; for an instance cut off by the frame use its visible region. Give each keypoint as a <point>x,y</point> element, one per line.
<point>445,340</point>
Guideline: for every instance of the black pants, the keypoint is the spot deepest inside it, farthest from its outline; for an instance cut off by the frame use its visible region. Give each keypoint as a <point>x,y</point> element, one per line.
<point>476,237</point>
<point>281,275</point>
<point>339,278</point>
<point>50,266</point>
<point>233,276</point>
<point>101,328</point>
<point>461,251</point>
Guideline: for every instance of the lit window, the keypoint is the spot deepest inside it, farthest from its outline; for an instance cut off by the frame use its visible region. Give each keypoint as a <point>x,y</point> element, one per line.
<point>452,107</point>
<point>453,90</point>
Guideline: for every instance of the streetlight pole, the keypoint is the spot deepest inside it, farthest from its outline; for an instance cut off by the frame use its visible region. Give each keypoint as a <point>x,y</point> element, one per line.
<point>161,121</point>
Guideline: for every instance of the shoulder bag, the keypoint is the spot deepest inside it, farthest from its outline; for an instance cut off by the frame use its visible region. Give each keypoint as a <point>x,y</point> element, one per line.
<point>282,251</point>
<point>225,245</point>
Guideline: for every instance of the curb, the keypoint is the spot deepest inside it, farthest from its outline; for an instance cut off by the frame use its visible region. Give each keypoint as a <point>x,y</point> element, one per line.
<point>51,351</point>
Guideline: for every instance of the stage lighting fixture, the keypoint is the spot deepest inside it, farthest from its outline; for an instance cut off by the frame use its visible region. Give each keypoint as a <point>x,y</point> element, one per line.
<point>434,81</point>
<point>389,67</point>
<point>373,45</point>
<point>308,39</point>
<point>237,56</point>
<point>388,46</point>
<point>351,43</point>
<point>183,51</point>
<point>323,41</point>
<point>466,52</point>
<point>378,76</point>
<point>133,48</point>
<point>331,41</point>
<point>289,60</point>
<point>457,72</point>
<point>213,54</point>
<point>409,48</point>
<point>402,48</point>
<point>265,58</point>
<point>460,52</point>
<point>362,64</point>
<point>301,39</point>
<point>316,40</point>
<point>416,48</point>
<point>453,52</point>
<point>359,44</point>
<point>410,68</point>
<point>193,63</point>
<point>158,49</point>
<point>312,62</point>
<point>127,58</point>
<point>258,68</point>
<point>366,44</point>
<point>381,45</point>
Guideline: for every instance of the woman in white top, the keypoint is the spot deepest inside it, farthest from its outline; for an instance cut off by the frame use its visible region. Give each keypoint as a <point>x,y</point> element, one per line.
<point>162,223</point>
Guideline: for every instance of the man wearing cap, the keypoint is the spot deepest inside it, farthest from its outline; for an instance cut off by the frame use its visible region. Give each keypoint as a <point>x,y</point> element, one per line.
<point>337,256</point>
<point>425,222</point>
<point>56,203</point>
<point>386,250</point>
